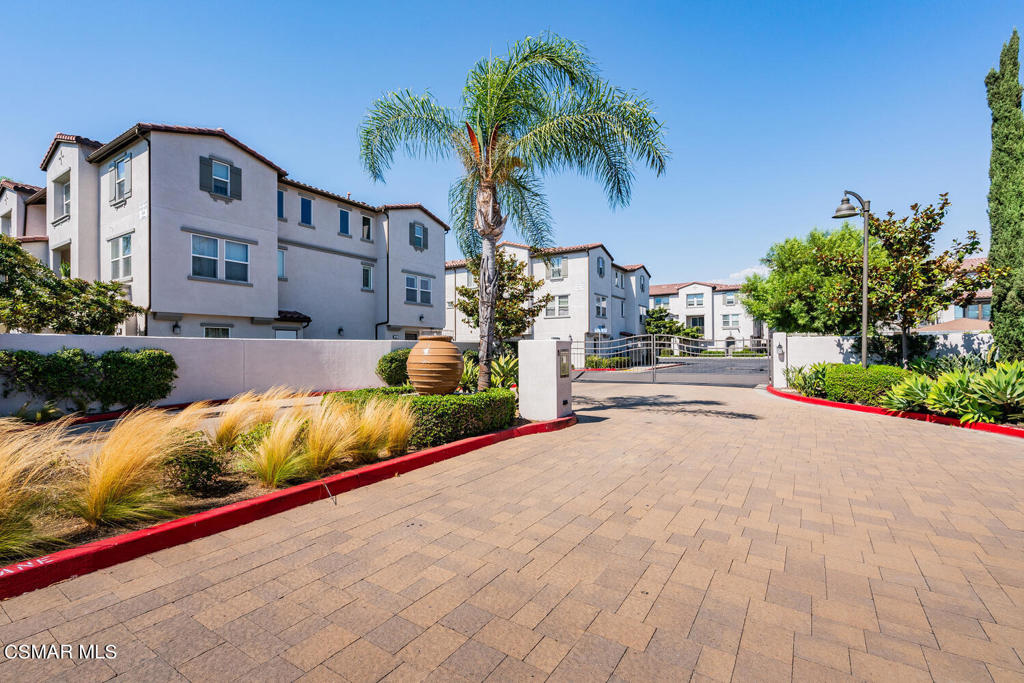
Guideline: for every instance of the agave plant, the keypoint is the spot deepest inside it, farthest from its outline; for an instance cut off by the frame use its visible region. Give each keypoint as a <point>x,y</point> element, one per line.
<point>470,375</point>
<point>953,394</point>
<point>505,371</point>
<point>910,395</point>
<point>1002,390</point>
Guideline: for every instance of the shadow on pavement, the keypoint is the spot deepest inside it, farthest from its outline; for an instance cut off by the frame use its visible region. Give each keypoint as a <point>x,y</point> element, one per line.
<point>660,403</point>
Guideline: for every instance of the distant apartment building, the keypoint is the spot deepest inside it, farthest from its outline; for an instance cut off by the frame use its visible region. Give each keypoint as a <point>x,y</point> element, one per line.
<point>974,317</point>
<point>593,298</point>
<point>711,306</point>
<point>215,240</point>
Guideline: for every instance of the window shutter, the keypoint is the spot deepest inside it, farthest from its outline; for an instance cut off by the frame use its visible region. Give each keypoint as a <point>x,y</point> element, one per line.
<point>205,174</point>
<point>113,183</point>
<point>425,245</point>
<point>127,175</point>
<point>412,234</point>
<point>565,267</point>
<point>236,182</point>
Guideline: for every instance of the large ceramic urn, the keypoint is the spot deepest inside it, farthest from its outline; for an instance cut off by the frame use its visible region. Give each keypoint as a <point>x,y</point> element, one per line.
<point>435,365</point>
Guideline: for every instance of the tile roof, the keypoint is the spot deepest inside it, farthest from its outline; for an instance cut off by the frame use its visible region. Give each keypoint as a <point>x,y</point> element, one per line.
<point>957,325</point>
<point>457,263</point>
<point>327,193</point>
<point>673,288</point>
<point>552,251</point>
<point>293,317</point>
<point>634,266</point>
<point>139,129</point>
<point>422,208</point>
<point>67,137</point>
<point>21,188</point>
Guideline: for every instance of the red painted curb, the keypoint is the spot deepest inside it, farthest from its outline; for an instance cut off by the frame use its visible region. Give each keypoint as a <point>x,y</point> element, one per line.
<point>1005,430</point>
<point>40,572</point>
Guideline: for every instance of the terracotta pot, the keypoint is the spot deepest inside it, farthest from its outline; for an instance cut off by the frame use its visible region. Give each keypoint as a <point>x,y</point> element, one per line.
<point>435,365</point>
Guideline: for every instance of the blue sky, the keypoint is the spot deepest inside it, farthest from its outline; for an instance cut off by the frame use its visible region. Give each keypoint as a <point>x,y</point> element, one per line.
<point>771,109</point>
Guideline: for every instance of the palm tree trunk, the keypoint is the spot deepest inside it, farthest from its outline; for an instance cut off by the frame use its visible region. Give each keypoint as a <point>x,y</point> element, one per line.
<point>491,225</point>
<point>488,291</point>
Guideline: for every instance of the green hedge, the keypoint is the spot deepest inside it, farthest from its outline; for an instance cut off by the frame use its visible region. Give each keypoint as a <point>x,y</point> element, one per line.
<point>854,384</point>
<point>749,353</point>
<point>607,362</point>
<point>391,367</point>
<point>712,352</point>
<point>445,418</point>
<point>75,378</point>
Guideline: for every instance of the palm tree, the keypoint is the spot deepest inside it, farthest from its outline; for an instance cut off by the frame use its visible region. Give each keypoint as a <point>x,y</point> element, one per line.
<point>542,108</point>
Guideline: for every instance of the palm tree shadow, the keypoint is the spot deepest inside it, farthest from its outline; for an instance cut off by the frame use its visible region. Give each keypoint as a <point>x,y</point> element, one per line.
<point>662,403</point>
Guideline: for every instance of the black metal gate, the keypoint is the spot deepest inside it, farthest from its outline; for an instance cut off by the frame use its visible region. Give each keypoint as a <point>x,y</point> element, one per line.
<point>666,359</point>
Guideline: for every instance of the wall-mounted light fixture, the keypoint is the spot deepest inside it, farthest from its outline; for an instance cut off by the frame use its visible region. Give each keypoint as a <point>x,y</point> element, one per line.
<point>421,318</point>
<point>780,351</point>
<point>175,328</point>
<point>341,331</point>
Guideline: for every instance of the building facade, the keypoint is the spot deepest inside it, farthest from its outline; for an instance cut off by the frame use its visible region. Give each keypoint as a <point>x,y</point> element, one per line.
<point>215,240</point>
<point>713,307</point>
<point>592,296</point>
<point>974,317</point>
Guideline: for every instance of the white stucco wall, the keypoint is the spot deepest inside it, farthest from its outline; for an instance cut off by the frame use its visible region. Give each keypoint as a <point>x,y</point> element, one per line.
<point>220,368</point>
<point>81,229</point>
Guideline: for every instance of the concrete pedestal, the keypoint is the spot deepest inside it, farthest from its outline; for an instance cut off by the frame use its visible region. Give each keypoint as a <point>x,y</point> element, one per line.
<point>545,379</point>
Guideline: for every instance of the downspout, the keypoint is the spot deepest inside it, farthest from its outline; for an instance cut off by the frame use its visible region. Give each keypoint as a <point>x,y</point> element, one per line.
<point>149,234</point>
<point>387,276</point>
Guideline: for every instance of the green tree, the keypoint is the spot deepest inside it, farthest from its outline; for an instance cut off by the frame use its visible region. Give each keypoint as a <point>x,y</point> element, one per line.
<point>659,321</point>
<point>1006,200</point>
<point>517,302</point>
<point>814,284</point>
<point>911,285</point>
<point>540,109</point>
<point>33,298</point>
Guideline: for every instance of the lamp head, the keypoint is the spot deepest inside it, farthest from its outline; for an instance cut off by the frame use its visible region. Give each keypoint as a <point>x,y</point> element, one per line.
<point>845,209</point>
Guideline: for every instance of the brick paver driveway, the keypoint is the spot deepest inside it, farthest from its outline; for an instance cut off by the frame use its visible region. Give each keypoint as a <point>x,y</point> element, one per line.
<point>677,531</point>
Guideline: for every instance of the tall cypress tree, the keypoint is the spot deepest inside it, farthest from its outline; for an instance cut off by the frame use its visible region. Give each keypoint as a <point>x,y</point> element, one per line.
<point>1006,200</point>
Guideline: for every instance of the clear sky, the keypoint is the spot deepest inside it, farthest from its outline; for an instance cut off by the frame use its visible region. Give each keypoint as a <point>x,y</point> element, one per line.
<point>772,108</point>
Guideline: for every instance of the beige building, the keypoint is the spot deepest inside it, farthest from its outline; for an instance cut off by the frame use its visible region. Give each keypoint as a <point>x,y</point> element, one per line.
<point>711,306</point>
<point>593,297</point>
<point>213,239</point>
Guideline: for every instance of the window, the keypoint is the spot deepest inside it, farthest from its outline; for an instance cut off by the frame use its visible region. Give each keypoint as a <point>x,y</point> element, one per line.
<point>412,336</point>
<point>121,257</point>
<point>730,320</point>
<point>694,300</point>
<point>600,266</point>
<point>343,222</point>
<point>695,321</point>
<point>367,277</point>
<point>6,225</point>
<point>221,178</point>
<point>205,254</point>
<point>236,261</point>
<point>62,197</point>
<point>418,236</point>
<point>216,332</point>
<point>556,269</point>
<point>980,311</point>
<point>286,334</point>
<point>601,309</point>
<point>643,284</point>
<point>558,308</point>
<point>643,314</point>
<point>730,298</point>
<point>417,289</point>
<point>281,273</point>
<point>367,229</point>
<point>280,203</point>
<point>618,279</point>
<point>622,308</point>
<point>122,178</point>
<point>661,301</point>
<point>305,211</point>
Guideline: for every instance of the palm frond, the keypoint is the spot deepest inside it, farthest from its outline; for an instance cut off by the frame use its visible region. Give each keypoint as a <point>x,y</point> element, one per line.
<point>418,122</point>
<point>462,209</point>
<point>522,197</point>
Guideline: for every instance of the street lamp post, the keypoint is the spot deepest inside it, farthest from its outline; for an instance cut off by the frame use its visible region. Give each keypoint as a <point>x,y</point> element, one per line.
<point>848,210</point>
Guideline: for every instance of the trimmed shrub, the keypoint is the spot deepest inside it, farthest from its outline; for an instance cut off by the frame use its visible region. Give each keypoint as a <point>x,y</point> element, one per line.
<point>391,367</point>
<point>854,384</point>
<point>445,418</point>
<point>73,377</point>
<point>196,467</point>
<point>607,362</point>
<point>712,352</point>
<point>746,353</point>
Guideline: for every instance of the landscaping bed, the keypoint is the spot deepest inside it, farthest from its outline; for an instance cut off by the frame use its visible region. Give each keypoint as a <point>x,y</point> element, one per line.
<point>59,488</point>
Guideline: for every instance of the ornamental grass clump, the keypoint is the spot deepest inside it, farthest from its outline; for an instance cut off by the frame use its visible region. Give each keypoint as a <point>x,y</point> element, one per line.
<point>266,405</point>
<point>279,457</point>
<point>329,438</point>
<point>401,422</point>
<point>370,427</point>
<point>122,481</point>
<point>235,417</point>
<point>30,462</point>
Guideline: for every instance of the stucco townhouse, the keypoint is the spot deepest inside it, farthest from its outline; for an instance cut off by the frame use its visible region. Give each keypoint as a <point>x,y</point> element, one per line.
<point>711,306</point>
<point>593,298</point>
<point>215,240</point>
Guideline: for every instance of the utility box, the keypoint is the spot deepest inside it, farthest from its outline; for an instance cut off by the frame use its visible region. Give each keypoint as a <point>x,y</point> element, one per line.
<point>545,379</point>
